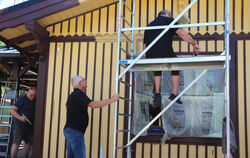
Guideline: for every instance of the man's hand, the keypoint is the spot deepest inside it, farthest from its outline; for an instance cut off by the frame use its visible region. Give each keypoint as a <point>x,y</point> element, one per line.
<point>23,118</point>
<point>196,48</point>
<point>115,97</point>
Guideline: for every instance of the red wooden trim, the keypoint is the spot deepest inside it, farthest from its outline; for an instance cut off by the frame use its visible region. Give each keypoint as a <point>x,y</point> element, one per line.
<point>115,19</point>
<point>169,150</point>
<point>140,14</point>
<point>99,21</point>
<point>91,22</point>
<point>234,87</point>
<point>142,155</point>
<point>215,13</point>
<point>187,154</point>
<point>147,20</point>
<point>178,150</point>
<point>156,138</point>
<point>198,11</point>
<point>83,29</point>
<point>151,150</point>
<point>233,15</point>
<point>69,38</point>
<point>107,19</point>
<point>79,54</point>
<point>197,151</point>
<point>114,3</point>
<point>207,16</point>
<point>215,151</point>
<point>27,10</point>
<point>40,107</point>
<point>242,15</point>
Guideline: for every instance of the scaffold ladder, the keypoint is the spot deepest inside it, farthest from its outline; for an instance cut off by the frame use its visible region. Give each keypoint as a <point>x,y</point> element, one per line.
<point>128,53</point>
<point>6,118</point>
<point>132,65</point>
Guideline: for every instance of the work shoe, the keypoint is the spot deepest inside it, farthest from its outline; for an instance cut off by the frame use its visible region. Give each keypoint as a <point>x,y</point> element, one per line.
<point>157,100</point>
<point>172,96</point>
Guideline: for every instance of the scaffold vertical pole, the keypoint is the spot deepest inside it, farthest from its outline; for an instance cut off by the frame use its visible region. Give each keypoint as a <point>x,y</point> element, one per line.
<point>227,79</point>
<point>117,76</point>
<point>130,82</point>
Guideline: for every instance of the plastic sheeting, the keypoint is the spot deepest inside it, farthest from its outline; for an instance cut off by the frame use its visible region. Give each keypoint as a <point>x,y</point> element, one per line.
<point>202,110</point>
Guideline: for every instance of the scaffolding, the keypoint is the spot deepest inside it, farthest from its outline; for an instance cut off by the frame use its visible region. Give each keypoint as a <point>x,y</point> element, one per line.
<point>138,64</point>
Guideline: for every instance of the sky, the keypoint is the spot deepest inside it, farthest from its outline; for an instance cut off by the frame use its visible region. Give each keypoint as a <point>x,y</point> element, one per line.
<point>7,3</point>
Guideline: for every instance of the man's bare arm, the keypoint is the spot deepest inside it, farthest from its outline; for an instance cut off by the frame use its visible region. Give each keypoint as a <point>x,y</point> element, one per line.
<point>13,112</point>
<point>185,36</point>
<point>102,103</point>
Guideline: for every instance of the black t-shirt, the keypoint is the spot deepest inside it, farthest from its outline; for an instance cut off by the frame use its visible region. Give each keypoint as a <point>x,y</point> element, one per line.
<point>77,110</point>
<point>26,107</point>
<point>163,47</point>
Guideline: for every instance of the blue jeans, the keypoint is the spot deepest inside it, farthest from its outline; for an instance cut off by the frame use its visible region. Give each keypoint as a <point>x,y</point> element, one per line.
<point>75,143</point>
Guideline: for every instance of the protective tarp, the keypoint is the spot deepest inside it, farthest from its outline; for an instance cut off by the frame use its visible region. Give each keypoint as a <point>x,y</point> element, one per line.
<point>202,110</point>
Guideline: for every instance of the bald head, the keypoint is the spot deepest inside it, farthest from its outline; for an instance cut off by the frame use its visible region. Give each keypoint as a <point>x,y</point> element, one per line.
<point>32,93</point>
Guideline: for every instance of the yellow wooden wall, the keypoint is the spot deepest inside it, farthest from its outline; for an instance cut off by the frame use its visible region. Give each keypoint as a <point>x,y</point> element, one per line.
<point>244,96</point>
<point>97,62</point>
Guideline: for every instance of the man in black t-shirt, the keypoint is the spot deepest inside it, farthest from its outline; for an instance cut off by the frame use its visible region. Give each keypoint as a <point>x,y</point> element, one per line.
<point>77,117</point>
<point>24,112</point>
<point>163,49</point>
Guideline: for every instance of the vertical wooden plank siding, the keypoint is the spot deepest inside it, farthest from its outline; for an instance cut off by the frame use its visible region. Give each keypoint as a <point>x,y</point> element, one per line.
<point>96,61</point>
<point>247,58</point>
<point>243,100</point>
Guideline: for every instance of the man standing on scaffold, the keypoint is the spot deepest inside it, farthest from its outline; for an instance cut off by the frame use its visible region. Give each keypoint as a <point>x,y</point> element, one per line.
<point>163,49</point>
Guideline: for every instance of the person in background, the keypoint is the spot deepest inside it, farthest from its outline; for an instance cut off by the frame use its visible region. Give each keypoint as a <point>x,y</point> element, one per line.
<point>23,112</point>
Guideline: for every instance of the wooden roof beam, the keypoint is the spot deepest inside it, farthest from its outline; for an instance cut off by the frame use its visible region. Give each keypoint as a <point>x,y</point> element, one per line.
<point>29,48</point>
<point>40,36</point>
<point>21,39</point>
<point>8,44</point>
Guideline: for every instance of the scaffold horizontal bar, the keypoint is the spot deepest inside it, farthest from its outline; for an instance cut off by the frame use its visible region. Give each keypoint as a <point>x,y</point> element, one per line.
<point>174,26</point>
<point>179,59</point>
<point>183,63</point>
<point>179,66</point>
